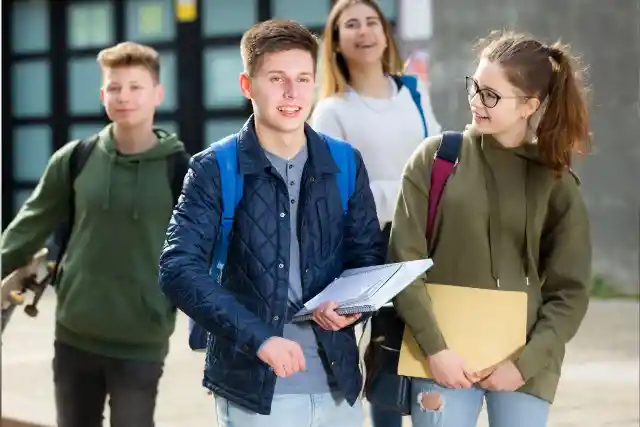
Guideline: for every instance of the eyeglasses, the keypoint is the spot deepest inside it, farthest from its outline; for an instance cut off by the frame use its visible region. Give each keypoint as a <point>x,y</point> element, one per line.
<point>488,97</point>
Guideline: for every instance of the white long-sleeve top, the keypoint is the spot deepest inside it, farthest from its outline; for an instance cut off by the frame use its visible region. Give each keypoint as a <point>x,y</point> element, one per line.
<point>386,131</point>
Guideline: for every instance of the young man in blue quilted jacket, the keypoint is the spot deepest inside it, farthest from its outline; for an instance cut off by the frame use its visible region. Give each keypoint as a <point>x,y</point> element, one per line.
<point>290,239</point>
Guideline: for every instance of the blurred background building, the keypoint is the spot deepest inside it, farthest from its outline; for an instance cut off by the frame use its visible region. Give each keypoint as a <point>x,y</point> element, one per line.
<point>51,82</point>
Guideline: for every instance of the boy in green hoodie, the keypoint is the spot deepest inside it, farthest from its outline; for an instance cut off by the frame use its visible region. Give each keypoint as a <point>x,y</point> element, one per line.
<point>112,322</point>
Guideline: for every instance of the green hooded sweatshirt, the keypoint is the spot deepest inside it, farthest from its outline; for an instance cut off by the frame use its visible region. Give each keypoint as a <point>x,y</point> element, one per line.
<point>109,300</point>
<point>505,222</point>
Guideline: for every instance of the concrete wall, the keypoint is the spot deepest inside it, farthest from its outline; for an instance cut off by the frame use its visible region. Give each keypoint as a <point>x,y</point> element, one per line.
<point>606,34</point>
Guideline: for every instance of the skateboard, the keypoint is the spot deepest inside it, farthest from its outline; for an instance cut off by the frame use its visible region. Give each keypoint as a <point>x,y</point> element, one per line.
<point>34,277</point>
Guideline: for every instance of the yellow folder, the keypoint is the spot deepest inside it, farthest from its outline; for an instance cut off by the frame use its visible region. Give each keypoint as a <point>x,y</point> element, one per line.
<point>484,326</point>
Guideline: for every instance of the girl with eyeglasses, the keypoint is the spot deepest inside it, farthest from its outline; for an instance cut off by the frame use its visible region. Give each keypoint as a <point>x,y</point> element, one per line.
<point>511,218</point>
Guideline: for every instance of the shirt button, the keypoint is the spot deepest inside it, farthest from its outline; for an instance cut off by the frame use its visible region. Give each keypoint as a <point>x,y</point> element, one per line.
<point>292,183</point>
<point>276,318</point>
<point>282,214</point>
<point>290,166</point>
<point>293,201</point>
<point>281,265</point>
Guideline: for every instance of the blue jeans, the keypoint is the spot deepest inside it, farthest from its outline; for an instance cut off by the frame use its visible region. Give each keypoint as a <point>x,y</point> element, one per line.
<point>461,407</point>
<point>293,410</point>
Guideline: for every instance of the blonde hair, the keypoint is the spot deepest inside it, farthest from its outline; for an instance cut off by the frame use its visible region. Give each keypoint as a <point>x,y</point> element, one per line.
<point>130,54</point>
<point>334,70</point>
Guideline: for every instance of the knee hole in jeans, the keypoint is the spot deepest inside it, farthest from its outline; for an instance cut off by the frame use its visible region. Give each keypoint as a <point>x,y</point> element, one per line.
<point>430,401</point>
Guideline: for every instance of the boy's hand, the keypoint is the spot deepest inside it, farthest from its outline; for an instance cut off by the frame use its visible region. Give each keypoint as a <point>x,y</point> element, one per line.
<point>325,316</point>
<point>283,356</point>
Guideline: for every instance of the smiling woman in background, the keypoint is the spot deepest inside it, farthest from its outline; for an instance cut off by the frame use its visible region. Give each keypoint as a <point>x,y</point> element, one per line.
<point>366,100</point>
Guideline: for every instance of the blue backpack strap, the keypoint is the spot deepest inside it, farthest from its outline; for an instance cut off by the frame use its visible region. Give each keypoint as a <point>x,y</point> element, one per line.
<point>231,185</point>
<point>411,82</point>
<point>344,157</point>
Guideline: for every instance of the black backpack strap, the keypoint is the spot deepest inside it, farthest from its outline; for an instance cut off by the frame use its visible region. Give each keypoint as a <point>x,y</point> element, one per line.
<point>450,146</point>
<point>177,167</point>
<point>77,160</point>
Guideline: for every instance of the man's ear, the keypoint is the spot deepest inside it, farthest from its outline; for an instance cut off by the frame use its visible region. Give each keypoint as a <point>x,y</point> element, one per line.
<point>102,95</point>
<point>245,85</point>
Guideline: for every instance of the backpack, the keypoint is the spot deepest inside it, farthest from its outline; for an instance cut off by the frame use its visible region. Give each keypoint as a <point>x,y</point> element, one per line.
<point>411,82</point>
<point>232,186</point>
<point>177,166</point>
<point>383,387</point>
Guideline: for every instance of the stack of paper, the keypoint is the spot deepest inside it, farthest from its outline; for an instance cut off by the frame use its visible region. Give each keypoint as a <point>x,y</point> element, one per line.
<point>367,289</point>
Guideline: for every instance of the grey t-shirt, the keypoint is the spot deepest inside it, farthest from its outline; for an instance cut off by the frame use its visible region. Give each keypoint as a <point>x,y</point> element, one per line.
<point>317,377</point>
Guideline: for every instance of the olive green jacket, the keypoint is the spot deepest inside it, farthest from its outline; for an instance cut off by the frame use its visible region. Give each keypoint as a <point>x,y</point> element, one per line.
<point>505,222</point>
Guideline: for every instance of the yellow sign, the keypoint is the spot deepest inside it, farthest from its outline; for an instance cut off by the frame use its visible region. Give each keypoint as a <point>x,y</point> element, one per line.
<point>186,10</point>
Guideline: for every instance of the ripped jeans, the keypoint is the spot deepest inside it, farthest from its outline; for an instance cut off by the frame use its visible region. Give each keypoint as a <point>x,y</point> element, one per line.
<point>461,407</point>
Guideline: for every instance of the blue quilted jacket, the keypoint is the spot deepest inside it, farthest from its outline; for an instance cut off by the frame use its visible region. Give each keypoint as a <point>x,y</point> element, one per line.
<point>251,304</point>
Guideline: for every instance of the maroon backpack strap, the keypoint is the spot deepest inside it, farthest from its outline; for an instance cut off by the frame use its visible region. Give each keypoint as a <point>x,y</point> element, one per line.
<point>444,163</point>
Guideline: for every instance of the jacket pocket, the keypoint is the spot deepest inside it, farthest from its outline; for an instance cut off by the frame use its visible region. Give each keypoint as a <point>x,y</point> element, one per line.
<point>113,312</point>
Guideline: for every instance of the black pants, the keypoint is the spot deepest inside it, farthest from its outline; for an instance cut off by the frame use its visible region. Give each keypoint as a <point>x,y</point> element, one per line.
<point>83,381</point>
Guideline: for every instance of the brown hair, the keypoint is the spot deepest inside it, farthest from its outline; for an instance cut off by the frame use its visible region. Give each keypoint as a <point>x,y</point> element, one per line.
<point>275,35</point>
<point>550,74</point>
<point>130,54</point>
<point>335,73</point>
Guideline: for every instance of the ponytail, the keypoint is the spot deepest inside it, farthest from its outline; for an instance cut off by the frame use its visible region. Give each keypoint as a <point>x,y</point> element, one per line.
<point>564,126</point>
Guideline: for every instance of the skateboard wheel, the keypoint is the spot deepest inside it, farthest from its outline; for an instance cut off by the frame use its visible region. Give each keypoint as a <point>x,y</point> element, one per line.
<point>16,297</point>
<point>31,310</point>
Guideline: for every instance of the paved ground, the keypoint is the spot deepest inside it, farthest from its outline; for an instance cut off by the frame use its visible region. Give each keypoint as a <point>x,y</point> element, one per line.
<point>600,386</point>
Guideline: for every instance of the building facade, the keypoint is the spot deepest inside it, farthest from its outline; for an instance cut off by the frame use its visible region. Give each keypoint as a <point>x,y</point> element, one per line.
<point>52,81</point>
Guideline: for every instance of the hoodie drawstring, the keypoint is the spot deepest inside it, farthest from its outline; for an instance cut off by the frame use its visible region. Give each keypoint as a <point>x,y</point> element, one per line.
<point>136,188</point>
<point>107,194</point>
<point>494,216</point>
<point>106,203</point>
<point>494,220</point>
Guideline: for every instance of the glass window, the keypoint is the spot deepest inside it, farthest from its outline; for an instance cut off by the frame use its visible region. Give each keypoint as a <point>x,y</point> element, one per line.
<point>312,13</point>
<point>84,130</point>
<point>84,86</point>
<point>232,18</point>
<point>31,88</point>
<point>168,78</point>
<point>150,20</point>
<point>389,9</point>
<point>31,151</point>
<point>222,68</point>
<point>91,24</point>
<point>219,128</point>
<point>169,126</point>
<point>19,197</point>
<point>32,34</point>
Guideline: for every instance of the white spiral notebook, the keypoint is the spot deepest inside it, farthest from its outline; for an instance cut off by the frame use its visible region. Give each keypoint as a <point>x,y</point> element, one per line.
<point>366,289</point>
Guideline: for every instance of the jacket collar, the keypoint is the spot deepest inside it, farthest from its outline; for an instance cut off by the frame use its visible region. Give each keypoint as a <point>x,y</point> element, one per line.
<point>252,160</point>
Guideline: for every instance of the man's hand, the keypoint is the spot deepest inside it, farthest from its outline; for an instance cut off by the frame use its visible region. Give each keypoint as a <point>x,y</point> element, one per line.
<point>283,356</point>
<point>325,316</point>
<point>506,377</point>
<point>448,369</point>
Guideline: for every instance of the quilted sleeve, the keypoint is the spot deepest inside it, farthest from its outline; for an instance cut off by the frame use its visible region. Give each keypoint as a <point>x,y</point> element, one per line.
<point>185,259</point>
<point>364,242</point>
